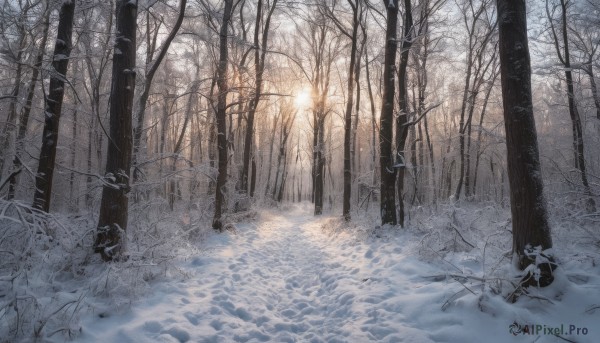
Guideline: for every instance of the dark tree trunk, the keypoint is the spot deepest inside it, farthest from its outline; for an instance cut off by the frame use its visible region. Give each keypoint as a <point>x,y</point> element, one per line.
<point>529,216</point>
<point>320,167</point>
<point>348,115</point>
<point>54,101</point>
<point>253,177</point>
<point>386,120</point>
<point>221,117</point>
<point>320,91</point>
<point>402,125</point>
<point>212,134</point>
<point>373,119</point>
<point>112,222</point>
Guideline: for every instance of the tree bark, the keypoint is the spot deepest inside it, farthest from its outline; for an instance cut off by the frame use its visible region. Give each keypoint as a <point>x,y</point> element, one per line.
<point>528,207</point>
<point>221,117</point>
<point>54,101</point>
<point>402,124</point>
<point>348,115</point>
<point>386,119</point>
<point>112,221</point>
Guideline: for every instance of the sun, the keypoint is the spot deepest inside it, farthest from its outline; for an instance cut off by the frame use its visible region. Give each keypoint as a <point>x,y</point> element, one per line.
<point>303,99</point>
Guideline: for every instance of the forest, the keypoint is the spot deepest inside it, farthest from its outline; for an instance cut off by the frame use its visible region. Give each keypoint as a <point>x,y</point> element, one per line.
<point>299,171</point>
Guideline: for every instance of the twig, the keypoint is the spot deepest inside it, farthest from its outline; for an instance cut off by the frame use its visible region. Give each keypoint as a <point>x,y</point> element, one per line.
<point>13,174</point>
<point>460,235</point>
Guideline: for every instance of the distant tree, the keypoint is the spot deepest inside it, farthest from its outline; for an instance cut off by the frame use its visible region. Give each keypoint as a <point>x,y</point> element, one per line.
<point>323,48</point>
<point>263,22</point>
<point>54,101</point>
<point>26,110</point>
<point>112,222</point>
<point>352,34</point>
<point>480,25</point>
<point>95,38</point>
<point>15,56</point>
<point>564,56</point>
<point>152,64</point>
<point>288,115</point>
<point>531,229</point>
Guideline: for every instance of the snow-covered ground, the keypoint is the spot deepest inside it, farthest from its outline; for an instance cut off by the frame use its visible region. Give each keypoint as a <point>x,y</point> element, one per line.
<point>291,277</point>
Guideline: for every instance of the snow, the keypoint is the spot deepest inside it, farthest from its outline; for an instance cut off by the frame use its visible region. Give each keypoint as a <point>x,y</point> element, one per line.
<point>291,277</point>
<point>288,276</point>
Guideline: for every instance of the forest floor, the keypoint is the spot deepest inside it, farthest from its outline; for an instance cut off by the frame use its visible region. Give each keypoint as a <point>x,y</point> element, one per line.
<point>288,276</point>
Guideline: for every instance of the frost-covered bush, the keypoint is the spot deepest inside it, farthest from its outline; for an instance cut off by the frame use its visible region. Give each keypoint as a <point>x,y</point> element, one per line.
<point>49,274</point>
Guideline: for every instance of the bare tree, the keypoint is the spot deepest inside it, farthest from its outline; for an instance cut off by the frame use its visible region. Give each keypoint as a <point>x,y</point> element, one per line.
<point>323,49</point>
<point>95,84</point>
<point>564,56</point>
<point>54,101</point>
<point>26,110</point>
<point>386,119</point>
<point>16,57</point>
<point>352,34</point>
<point>112,222</point>
<point>531,229</point>
<point>402,120</point>
<point>222,86</point>
<point>260,53</point>
<point>152,65</point>
<point>480,29</point>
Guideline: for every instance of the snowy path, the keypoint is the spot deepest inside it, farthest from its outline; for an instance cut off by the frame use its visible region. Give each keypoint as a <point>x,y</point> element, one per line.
<point>282,279</point>
<point>278,280</point>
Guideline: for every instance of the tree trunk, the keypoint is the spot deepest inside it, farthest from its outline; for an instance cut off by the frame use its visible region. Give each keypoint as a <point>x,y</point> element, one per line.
<point>112,221</point>
<point>348,116</point>
<point>402,124</point>
<point>270,165</point>
<point>386,120</point>
<point>374,180</point>
<point>54,101</point>
<point>320,167</point>
<point>221,117</point>
<point>528,207</point>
